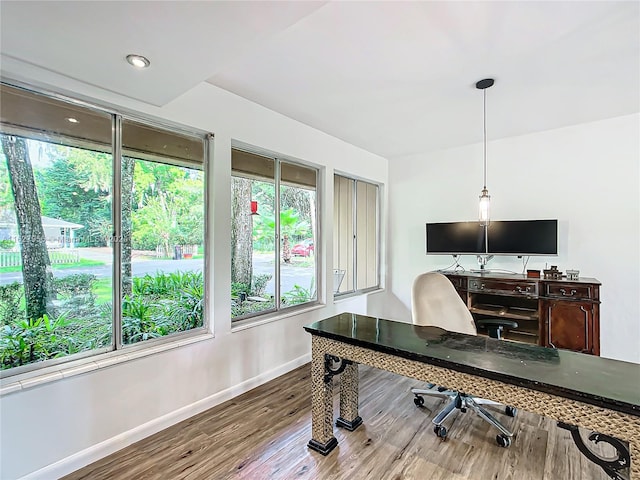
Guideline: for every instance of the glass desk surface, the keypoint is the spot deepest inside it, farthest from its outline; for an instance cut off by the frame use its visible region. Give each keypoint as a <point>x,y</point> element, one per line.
<point>609,383</point>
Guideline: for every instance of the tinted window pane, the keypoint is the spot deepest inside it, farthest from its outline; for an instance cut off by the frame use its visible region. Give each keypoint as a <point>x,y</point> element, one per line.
<point>356,235</point>
<point>253,250</point>
<point>343,233</point>
<point>267,192</point>
<point>298,234</point>
<point>55,230</point>
<point>162,232</point>
<point>367,235</point>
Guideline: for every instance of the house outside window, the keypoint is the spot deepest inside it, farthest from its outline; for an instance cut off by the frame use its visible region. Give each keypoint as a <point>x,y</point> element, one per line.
<point>274,231</point>
<point>356,235</point>
<point>102,231</point>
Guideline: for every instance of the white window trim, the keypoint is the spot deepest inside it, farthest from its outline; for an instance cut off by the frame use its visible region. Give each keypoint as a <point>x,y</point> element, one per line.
<point>42,372</point>
<point>52,373</point>
<point>258,318</point>
<point>379,286</point>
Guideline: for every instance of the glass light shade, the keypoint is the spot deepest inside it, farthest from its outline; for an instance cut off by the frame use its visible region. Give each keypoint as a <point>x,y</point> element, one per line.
<point>485,201</point>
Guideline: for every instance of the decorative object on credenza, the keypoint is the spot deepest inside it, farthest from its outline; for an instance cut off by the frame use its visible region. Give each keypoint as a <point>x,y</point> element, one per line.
<point>553,273</point>
<point>484,194</point>
<point>533,273</point>
<point>573,274</point>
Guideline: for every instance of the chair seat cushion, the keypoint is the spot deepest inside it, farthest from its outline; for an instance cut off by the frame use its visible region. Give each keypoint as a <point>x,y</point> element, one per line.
<point>496,322</point>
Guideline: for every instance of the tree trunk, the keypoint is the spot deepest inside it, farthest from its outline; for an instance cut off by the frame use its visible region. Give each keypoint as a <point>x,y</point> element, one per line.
<point>36,266</point>
<point>128,166</point>
<point>241,231</point>
<point>286,249</point>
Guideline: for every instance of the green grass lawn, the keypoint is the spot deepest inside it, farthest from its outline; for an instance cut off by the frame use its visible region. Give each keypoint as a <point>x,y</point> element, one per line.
<point>82,263</point>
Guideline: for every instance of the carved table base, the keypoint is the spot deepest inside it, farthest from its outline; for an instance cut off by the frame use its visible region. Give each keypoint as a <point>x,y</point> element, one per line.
<point>326,353</point>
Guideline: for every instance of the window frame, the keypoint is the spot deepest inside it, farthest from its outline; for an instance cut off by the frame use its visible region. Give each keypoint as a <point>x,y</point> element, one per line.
<point>354,231</point>
<point>279,310</point>
<point>117,115</point>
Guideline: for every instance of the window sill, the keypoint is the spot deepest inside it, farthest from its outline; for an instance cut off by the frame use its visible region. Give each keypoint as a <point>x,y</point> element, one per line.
<point>53,373</point>
<point>348,296</point>
<point>257,321</point>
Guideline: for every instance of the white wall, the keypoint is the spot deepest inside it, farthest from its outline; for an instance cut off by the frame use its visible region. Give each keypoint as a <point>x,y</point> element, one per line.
<point>586,176</point>
<point>60,426</point>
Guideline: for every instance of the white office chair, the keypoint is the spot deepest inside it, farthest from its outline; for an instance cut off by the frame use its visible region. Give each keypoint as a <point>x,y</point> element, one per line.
<point>435,302</point>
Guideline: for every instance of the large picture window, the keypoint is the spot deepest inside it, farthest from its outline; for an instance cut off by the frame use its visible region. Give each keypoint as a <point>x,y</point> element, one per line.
<point>355,235</point>
<point>274,231</point>
<point>101,231</point>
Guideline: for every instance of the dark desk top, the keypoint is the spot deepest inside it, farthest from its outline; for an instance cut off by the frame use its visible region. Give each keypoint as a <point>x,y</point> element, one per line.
<point>598,381</point>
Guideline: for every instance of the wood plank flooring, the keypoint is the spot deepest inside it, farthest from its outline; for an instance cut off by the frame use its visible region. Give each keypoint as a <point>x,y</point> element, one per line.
<point>263,434</point>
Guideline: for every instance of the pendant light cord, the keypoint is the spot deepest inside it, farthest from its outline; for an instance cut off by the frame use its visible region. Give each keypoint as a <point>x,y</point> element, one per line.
<point>484,132</point>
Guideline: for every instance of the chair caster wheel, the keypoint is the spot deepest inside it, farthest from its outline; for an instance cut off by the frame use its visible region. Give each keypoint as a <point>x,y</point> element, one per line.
<point>503,440</point>
<point>440,431</point>
<point>418,400</point>
<point>511,411</point>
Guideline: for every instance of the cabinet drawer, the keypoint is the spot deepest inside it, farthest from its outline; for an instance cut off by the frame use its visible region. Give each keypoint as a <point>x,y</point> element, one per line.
<point>459,282</point>
<point>501,287</point>
<point>570,290</point>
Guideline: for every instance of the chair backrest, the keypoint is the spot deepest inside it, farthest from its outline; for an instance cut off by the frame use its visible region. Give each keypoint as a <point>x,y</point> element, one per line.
<point>435,302</point>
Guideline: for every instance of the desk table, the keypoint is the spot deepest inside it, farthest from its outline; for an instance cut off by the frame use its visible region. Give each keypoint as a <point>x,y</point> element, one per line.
<point>595,393</point>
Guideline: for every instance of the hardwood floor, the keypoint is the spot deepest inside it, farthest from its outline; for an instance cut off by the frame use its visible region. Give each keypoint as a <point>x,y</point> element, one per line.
<point>263,435</point>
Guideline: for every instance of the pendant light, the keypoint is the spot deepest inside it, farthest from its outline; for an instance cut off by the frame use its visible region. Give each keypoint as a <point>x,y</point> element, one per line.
<point>485,199</point>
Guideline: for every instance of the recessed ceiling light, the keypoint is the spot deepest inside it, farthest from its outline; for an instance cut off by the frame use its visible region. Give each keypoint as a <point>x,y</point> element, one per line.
<point>138,61</point>
<point>72,120</point>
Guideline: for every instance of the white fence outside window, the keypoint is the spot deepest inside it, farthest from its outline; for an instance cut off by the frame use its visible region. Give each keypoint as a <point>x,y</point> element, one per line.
<point>10,258</point>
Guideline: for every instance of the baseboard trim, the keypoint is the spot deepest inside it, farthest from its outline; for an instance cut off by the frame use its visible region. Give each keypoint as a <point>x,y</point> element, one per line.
<point>96,452</point>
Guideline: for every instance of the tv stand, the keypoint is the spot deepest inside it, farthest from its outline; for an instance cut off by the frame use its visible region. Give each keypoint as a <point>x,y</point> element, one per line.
<point>555,313</point>
<point>483,260</point>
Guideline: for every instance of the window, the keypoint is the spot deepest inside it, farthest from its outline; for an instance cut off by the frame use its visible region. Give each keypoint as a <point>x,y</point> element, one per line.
<point>355,235</point>
<point>101,231</point>
<point>162,218</point>
<point>274,231</point>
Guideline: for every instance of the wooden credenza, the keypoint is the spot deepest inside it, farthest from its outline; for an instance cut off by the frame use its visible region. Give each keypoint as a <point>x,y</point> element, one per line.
<point>552,313</point>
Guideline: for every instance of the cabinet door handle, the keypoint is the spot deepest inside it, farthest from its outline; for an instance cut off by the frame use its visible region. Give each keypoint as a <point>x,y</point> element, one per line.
<point>565,294</point>
<point>520,290</point>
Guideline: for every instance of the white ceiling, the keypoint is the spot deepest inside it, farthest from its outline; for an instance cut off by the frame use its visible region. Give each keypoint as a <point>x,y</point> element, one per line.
<point>395,78</point>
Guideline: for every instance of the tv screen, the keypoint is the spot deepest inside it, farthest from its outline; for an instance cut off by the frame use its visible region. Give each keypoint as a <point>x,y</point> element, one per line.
<point>455,238</point>
<point>523,237</point>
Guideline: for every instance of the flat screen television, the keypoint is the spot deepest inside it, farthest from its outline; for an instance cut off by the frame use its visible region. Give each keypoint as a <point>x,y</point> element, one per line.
<point>456,238</point>
<point>522,237</point>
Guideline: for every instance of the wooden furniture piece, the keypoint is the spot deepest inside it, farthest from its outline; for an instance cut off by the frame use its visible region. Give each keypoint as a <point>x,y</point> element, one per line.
<point>577,390</point>
<point>555,313</point>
